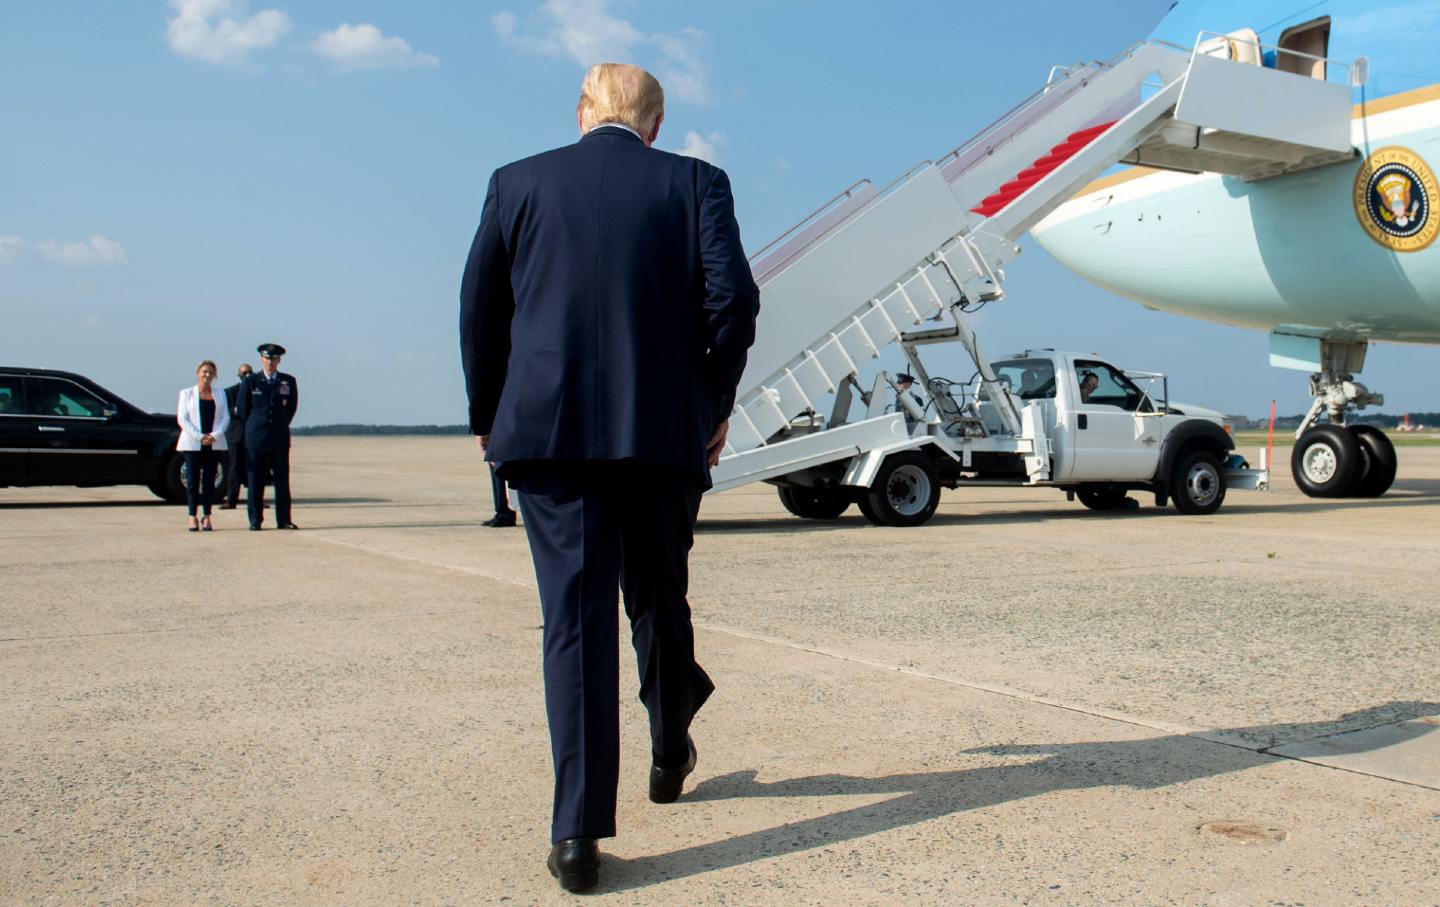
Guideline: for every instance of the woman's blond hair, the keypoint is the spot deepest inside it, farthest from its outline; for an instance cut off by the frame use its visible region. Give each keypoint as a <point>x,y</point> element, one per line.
<point>210,362</point>
<point>620,93</point>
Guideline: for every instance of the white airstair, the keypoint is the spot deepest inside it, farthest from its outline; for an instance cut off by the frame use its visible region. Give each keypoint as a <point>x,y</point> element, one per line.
<point>878,266</point>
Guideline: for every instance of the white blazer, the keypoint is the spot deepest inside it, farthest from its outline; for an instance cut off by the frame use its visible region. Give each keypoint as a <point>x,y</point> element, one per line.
<point>187,413</point>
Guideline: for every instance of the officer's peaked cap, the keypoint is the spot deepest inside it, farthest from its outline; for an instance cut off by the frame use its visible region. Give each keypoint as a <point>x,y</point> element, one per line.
<point>270,349</point>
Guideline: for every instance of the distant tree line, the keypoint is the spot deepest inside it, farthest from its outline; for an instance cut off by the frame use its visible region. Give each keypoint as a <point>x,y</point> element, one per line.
<point>350,428</point>
<point>1383,420</point>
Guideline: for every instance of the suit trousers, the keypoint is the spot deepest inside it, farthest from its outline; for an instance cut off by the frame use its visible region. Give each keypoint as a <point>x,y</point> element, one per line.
<point>594,526</point>
<point>278,464</point>
<point>235,472</point>
<point>502,498</point>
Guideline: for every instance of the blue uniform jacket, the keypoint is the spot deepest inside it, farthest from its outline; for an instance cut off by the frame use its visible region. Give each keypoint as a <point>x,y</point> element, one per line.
<point>606,307</point>
<point>267,410</point>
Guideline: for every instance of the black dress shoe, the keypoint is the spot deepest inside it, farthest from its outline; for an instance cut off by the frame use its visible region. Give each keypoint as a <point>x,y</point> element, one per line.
<point>254,527</point>
<point>500,521</point>
<point>666,783</point>
<point>289,526</point>
<point>576,863</point>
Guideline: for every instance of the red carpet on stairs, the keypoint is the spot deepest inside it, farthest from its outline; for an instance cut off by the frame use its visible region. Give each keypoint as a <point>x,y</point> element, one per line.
<point>1039,170</point>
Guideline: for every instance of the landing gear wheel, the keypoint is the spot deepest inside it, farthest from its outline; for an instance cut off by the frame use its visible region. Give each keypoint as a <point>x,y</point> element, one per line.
<point>1325,461</point>
<point>813,503</point>
<point>1102,497</point>
<point>905,493</point>
<point>1378,462</point>
<point>1198,483</point>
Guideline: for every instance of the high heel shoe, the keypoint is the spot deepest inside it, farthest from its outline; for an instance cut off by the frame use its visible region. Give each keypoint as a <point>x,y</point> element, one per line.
<point>192,525</point>
<point>205,524</point>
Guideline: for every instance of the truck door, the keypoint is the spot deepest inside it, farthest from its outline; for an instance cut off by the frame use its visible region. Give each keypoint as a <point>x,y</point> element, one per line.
<point>14,430</point>
<point>1111,440</point>
<point>78,439</point>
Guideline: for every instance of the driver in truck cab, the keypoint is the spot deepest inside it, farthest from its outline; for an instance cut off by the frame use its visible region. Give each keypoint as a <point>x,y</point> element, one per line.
<point>1088,382</point>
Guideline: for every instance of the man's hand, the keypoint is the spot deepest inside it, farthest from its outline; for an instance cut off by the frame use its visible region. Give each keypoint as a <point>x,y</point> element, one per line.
<point>716,444</point>
<point>482,442</point>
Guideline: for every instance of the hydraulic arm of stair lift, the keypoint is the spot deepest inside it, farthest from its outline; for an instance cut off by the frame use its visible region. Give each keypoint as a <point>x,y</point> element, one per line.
<point>873,264</point>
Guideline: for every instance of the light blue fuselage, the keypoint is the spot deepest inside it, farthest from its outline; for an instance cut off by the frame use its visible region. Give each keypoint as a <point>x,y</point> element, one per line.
<point>1289,251</point>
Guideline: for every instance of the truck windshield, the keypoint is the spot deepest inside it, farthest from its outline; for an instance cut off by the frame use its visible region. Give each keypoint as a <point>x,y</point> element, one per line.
<point>1030,379</point>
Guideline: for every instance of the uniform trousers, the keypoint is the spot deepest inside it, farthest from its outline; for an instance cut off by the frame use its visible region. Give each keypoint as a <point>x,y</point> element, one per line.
<point>235,472</point>
<point>277,462</point>
<point>593,526</point>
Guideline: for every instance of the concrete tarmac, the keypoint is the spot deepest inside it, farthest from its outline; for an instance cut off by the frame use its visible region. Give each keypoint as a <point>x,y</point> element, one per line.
<point>1022,702</point>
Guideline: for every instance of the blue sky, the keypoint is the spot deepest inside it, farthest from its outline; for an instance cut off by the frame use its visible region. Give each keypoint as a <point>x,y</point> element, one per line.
<point>188,179</point>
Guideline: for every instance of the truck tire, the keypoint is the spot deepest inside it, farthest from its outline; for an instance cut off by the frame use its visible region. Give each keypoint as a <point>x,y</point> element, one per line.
<point>813,503</point>
<point>906,491</point>
<point>1102,497</point>
<point>1198,483</point>
<point>1378,462</point>
<point>1325,461</point>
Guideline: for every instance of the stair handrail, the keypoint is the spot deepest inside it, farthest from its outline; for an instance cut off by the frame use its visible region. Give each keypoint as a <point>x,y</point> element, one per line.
<point>838,199</point>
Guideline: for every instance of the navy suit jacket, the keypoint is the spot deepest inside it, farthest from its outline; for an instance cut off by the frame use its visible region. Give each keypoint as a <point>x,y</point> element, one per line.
<point>606,307</point>
<point>267,410</point>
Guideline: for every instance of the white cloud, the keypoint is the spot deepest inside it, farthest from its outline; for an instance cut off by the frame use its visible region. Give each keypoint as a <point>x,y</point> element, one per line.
<point>701,146</point>
<point>217,31</point>
<point>587,32</point>
<point>364,46</point>
<point>10,248</point>
<point>96,251</point>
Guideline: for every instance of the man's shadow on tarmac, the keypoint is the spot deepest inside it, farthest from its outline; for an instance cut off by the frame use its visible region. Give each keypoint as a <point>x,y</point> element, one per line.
<point>922,796</point>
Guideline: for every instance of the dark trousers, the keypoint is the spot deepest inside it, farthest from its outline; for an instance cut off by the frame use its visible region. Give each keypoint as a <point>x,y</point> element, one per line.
<point>502,499</point>
<point>235,472</point>
<point>593,526</point>
<point>277,462</point>
<point>199,478</point>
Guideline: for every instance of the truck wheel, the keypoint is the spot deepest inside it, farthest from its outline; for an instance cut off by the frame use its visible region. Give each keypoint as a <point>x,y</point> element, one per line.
<point>1325,461</point>
<point>813,503</point>
<point>1102,497</point>
<point>1378,462</point>
<point>1198,483</point>
<point>906,490</point>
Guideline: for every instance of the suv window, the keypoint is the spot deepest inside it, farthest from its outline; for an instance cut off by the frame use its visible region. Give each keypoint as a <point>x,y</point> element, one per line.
<point>1030,379</point>
<point>58,397</point>
<point>12,395</point>
<point>1112,388</point>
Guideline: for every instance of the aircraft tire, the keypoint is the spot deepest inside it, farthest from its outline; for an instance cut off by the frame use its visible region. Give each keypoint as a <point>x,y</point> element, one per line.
<point>906,490</point>
<point>1198,483</point>
<point>1378,462</point>
<point>813,504</point>
<point>1325,461</point>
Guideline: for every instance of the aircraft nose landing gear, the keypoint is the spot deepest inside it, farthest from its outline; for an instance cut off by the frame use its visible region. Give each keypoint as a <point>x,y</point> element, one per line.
<point>1332,459</point>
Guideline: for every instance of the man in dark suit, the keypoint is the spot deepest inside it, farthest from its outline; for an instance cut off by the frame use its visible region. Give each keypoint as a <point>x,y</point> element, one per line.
<point>235,439</point>
<point>596,267</point>
<point>267,405</point>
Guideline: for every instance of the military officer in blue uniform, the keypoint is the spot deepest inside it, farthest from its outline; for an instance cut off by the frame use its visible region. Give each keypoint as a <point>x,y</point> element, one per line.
<point>267,405</point>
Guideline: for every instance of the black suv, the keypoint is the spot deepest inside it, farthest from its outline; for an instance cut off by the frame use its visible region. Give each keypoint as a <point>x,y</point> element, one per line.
<point>58,428</point>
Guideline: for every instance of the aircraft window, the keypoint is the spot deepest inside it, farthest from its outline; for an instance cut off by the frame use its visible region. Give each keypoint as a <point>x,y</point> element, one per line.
<point>1030,379</point>
<point>1311,38</point>
<point>1110,387</point>
<point>62,398</point>
<point>12,396</point>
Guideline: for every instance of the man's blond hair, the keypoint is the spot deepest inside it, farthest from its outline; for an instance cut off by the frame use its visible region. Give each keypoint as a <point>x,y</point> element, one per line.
<point>620,93</point>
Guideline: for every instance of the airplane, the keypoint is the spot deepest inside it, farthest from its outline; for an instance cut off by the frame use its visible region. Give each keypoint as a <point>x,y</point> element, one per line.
<point>1328,259</point>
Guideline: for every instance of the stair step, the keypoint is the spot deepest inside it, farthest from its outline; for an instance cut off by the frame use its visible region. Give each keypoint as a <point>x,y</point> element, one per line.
<point>1039,169</point>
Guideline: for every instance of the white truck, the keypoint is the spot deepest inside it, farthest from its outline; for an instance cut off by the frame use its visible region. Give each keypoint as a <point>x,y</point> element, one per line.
<point>1086,428</point>
<point>911,262</point>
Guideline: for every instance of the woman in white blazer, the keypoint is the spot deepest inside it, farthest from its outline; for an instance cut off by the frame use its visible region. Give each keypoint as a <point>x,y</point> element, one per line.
<point>203,417</point>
